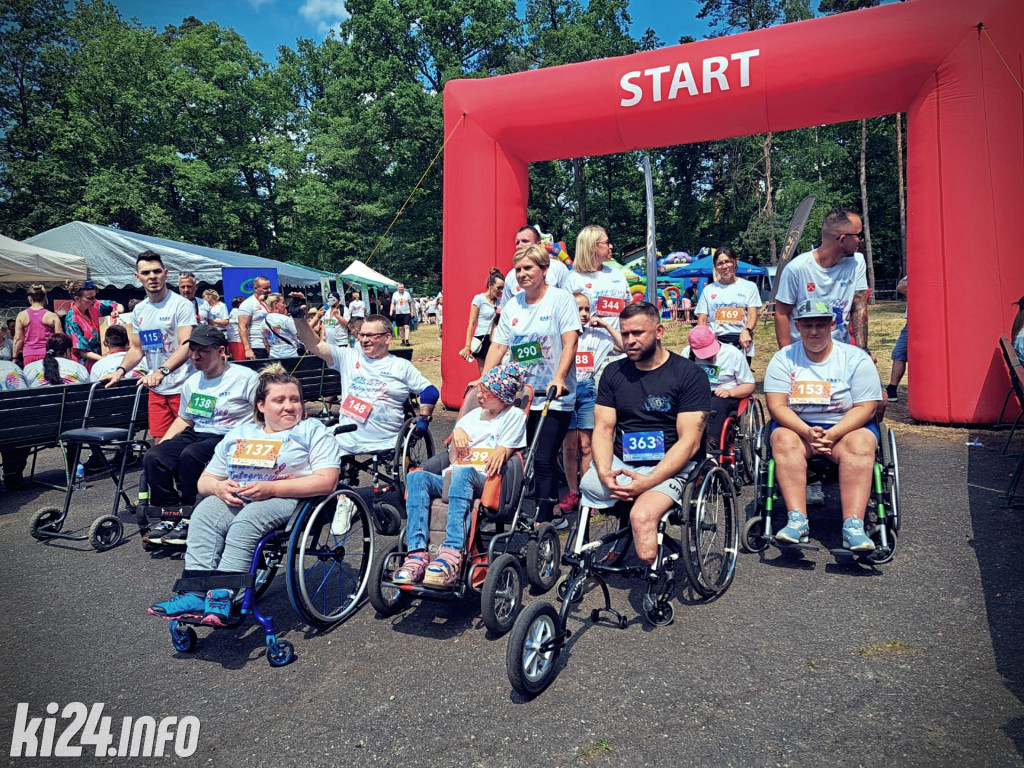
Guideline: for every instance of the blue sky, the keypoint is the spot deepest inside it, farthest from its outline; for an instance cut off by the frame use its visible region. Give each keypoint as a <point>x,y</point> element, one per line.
<point>267,24</point>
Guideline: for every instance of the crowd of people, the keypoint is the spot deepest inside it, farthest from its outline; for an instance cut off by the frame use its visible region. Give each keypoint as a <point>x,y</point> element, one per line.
<point>626,415</point>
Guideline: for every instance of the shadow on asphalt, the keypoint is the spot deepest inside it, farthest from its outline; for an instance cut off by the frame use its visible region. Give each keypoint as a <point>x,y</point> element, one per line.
<point>998,543</point>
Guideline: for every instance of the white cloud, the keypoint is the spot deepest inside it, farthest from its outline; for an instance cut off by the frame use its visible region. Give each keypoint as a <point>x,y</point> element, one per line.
<point>326,14</point>
<point>257,4</point>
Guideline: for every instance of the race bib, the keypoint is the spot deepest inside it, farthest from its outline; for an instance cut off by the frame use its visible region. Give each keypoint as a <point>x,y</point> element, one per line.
<point>730,315</point>
<point>476,457</point>
<point>152,339</point>
<point>585,362</point>
<point>810,393</point>
<point>200,405</point>
<point>256,453</point>
<point>528,353</point>
<point>712,371</point>
<point>609,306</point>
<point>356,409</point>
<point>643,446</point>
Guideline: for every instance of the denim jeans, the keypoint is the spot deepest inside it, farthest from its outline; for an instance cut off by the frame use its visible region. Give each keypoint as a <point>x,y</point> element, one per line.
<point>423,487</point>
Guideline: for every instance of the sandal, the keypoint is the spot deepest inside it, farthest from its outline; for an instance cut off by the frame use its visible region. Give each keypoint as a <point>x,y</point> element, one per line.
<point>412,569</point>
<point>444,571</point>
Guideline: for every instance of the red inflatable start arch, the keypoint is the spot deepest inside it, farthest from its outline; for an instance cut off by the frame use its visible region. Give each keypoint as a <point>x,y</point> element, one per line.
<point>955,67</point>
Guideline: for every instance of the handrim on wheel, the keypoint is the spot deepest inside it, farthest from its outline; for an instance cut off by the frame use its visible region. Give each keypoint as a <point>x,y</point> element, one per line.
<point>412,450</point>
<point>711,534</point>
<point>327,571</point>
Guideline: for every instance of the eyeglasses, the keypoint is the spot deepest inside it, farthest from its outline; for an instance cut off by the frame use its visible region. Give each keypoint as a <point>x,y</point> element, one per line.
<point>372,335</point>
<point>858,235</point>
<point>604,242</point>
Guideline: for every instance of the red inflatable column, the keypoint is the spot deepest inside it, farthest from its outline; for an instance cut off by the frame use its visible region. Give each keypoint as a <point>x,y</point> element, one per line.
<point>965,178</point>
<point>485,197</point>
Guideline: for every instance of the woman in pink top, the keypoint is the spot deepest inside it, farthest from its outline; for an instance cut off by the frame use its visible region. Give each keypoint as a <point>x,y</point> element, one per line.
<point>34,326</point>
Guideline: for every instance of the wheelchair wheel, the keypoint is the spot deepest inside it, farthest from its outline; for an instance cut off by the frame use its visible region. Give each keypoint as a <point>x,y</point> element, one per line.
<point>530,660</point>
<point>386,600</point>
<point>543,558</point>
<point>750,429</point>
<point>891,475</point>
<point>280,652</point>
<point>46,521</point>
<point>754,538</point>
<point>502,596</point>
<point>106,532</point>
<point>882,554</point>
<point>603,522</point>
<point>327,570</point>
<point>710,533</point>
<point>183,638</point>
<point>387,520</point>
<point>411,451</point>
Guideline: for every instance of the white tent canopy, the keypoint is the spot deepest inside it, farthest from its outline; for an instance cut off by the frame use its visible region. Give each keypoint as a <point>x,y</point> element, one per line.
<point>22,264</point>
<point>110,255</point>
<point>357,272</point>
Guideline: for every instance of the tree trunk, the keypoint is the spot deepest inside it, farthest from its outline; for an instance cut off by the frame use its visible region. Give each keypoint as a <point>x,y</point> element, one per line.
<point>769,204</point>
<point>901,184</point>
<point>864,207</point>
<point>580,183</point>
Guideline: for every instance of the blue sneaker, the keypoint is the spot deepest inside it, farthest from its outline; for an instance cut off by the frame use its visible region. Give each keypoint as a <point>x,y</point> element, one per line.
<point>182,604</point>
<point>796,529</point>
<point>854,538</point>
<point>217,608</point>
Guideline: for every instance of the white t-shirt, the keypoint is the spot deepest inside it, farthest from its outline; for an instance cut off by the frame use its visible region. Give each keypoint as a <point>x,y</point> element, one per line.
<point>608,291</point>
<point>216,405</point>
<point>594,346</point>
<point>11,377</point>
<point>432,307</point>
<point>533,335</point>
<point>485,318</point>
<point>280,336</point>
<point>356,308</point>
<point>506,430</point>
<point>335,332</point>
<point>803,279</point>
<point>557,276</point>
<point>402,302</point>
<point>823,391</point>
<point>255,309</point>
<point>70,373</point>
<point>249,453</point>
<point>726,305</point>
<point>726,370</point>
<point>157,325</point>
<point>218,312</point>
<point>372,395</point>
<point>232,330</point>
<point>110,363</point>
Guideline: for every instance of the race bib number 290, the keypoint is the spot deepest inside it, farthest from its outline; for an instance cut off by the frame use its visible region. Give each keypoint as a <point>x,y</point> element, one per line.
<point>528,353</point>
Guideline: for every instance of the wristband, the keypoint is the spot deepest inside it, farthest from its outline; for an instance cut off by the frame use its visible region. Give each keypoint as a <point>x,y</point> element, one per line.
<point>122,369</point>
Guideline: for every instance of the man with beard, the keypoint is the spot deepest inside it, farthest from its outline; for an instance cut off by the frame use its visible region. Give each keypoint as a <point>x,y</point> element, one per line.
<point>648,423</point>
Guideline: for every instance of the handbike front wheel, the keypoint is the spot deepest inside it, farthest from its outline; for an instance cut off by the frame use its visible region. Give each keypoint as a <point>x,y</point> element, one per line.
<point>328,561</point>
<point>533,649</point>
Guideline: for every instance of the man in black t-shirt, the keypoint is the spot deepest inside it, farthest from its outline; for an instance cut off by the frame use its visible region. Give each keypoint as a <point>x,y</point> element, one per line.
<point>648,423</point>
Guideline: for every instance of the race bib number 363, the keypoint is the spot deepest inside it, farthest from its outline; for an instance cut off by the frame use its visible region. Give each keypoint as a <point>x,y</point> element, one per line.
<point>810,393</point>
<point>643,446</point>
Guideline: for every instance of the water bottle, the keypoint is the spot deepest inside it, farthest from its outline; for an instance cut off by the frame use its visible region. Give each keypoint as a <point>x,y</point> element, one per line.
<point>80,477</point>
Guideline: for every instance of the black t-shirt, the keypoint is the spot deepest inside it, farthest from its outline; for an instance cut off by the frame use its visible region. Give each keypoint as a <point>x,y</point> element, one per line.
<point>648,401</point>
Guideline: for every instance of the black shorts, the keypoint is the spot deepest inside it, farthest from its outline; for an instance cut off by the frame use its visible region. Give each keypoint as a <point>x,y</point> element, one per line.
<point>401,320</point>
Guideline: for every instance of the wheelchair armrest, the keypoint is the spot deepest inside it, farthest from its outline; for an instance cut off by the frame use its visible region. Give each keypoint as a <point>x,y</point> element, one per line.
<point>346,428</point>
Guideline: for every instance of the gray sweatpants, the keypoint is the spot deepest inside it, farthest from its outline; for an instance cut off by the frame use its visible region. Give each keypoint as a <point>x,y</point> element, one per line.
<point>223,538</point>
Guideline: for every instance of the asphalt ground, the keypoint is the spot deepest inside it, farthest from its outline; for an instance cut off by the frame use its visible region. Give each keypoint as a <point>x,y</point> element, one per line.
<point>804,661</point>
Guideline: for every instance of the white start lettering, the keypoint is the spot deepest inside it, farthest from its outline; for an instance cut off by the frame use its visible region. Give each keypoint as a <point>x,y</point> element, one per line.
<point>714,70</point>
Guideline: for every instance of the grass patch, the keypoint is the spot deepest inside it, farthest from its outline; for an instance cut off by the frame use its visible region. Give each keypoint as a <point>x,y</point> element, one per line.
<point>604,746</point>
<point>889,647</point>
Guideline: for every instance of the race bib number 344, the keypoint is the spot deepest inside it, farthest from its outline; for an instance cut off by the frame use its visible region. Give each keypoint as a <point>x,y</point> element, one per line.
<point>609,306</point>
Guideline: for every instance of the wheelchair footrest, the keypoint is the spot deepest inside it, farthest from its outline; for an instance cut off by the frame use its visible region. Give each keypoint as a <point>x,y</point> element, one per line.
<point>220,581</point>
<point>233,620</point>
<point>790,546</point>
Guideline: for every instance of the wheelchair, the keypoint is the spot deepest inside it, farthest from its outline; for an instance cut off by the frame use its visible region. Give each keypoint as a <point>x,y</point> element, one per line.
<point>737,452</point>
<point>389,469</point>
<point>501,542</point>
<point>702,532</point>
<point>326,548</point>
<point>882,516</point>
<point>106,531</point>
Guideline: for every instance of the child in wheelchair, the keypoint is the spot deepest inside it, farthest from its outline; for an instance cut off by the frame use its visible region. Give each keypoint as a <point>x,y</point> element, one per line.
<point>254,482</point>
<point>728,374</point>
<point>483,439</point>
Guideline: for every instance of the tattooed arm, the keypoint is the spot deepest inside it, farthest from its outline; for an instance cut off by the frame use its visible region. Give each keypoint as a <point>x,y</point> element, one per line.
<point>859,319</point>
